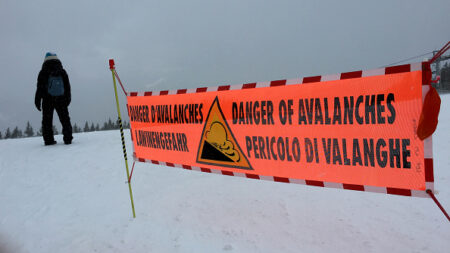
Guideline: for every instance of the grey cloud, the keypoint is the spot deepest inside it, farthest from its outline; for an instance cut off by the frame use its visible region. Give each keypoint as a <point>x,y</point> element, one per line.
<point>187,44</point>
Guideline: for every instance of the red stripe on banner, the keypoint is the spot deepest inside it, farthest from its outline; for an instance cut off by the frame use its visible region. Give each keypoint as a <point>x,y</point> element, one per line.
<point>170,164</point>
<point>253,176</point>
<point>202,89</point>
<point>397,191</point>
<point>223,87</point>
<point>349,75</point>
<point>248,85</point>
<point>133,94</point>
<point>281,179</point>
<point>142,160</point>
<point>311,79</point>
<point>429,174</point>
<point>205,170</point>
<point>353,187</point>
<point>426,73</point>
<point>148,93</point>
<point>155,162</point>
<point>314,183</point>
<point>187,167</point>
<point>277,83</point>
<point>181,91</point>
<point>398,69</point>
<point>227,173</point>
<point>163,92</point>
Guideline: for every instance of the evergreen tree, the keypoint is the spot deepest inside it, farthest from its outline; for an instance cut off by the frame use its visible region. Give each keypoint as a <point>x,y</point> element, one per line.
<point>86,127</point>
<point>92,129</point>
<point>76,128</point>
<point>97,127</point>
<point>110,124</point>
<point>16,133</point>
<point>29,130</point>
<point>1,137</point>
<point>8,133</point>
<point>55,130</point>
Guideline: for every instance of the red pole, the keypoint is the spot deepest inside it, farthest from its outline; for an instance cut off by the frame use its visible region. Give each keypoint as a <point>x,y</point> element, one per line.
<point>438,204</point>
<point>131,174</point>
<point>441,52</point>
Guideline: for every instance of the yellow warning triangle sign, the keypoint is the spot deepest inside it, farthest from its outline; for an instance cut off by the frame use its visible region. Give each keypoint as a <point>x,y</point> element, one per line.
<point>217,144</point>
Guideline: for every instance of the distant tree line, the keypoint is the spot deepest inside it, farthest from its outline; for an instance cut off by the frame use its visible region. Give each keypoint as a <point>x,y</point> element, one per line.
<point>88,127</point>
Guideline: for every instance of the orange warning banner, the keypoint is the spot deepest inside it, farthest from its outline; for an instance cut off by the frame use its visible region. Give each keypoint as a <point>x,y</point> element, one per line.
<point>358,131</point>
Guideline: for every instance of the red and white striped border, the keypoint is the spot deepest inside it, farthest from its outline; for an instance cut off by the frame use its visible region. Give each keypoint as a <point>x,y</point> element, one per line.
<point>386,190</point>
<point>296,81</point>
<point>428,151</point>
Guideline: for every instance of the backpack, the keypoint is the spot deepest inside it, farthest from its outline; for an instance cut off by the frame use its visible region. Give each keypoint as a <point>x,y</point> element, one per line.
<point>55,85</point>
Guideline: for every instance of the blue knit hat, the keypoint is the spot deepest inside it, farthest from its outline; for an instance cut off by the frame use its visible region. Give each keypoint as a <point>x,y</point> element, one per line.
<point>50,56</point>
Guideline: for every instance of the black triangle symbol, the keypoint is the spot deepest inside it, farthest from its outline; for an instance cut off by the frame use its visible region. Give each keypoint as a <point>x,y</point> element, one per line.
<point>211,153</point>
<point>218,146</point>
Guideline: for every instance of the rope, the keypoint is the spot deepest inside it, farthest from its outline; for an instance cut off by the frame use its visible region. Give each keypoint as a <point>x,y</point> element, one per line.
<point>437,55</point>
<point>120,82</point>
<point>131,174</point>
<point>438,204</point>
<point>411,58</point>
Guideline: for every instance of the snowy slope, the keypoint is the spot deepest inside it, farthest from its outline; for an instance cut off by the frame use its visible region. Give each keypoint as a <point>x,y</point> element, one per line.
<point>75,199</point>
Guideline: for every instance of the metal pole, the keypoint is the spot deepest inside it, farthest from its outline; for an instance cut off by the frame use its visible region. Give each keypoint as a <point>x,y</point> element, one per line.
<point>112,67</point>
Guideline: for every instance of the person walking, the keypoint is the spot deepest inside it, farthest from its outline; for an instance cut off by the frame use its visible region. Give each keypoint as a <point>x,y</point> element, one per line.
<point>53,93</point>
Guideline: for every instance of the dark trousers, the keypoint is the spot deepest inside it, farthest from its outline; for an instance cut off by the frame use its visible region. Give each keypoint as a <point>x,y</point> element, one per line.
<point>47,121</point>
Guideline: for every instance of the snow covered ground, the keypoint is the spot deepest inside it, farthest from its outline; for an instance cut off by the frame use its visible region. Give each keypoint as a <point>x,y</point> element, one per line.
<point>75,199</point>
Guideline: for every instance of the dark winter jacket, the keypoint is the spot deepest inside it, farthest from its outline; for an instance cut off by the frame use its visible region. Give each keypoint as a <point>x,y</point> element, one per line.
<point>48,67</point>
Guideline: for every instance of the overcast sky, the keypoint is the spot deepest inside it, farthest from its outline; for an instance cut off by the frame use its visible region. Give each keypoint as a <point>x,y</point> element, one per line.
<point>159,45</point>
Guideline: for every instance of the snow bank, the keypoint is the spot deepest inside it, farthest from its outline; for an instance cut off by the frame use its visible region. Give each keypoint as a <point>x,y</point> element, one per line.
<point>75,199</point>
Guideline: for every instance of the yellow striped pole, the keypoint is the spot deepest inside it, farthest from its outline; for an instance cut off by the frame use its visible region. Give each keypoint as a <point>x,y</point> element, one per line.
<point>112,68</point>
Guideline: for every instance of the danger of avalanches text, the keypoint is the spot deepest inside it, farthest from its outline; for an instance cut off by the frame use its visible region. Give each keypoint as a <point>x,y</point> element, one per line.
<point>165,114</point>
<point>349,110</point>
<point>376,109</point>
<point>393,153</point>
